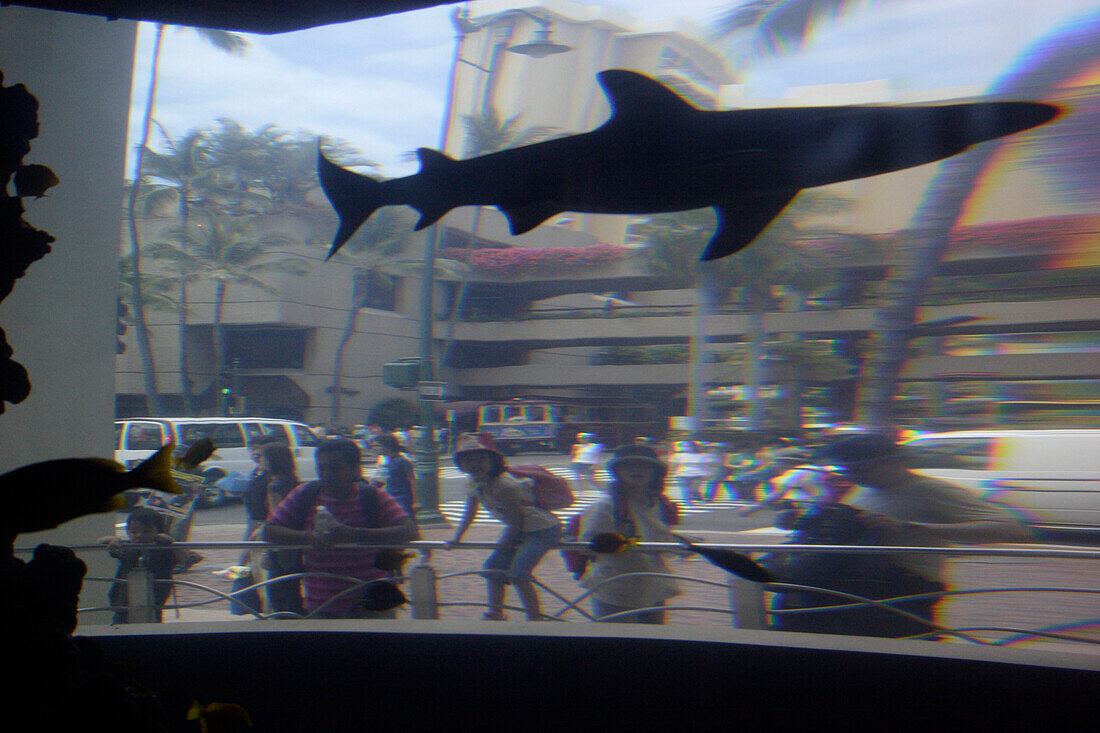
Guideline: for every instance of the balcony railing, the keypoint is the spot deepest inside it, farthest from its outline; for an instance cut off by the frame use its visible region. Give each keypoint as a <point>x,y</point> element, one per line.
<point>431,594</point>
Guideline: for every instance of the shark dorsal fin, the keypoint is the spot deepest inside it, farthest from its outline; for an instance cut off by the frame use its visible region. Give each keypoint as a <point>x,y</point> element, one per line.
<point>636,97</point>
<point>432,160</point>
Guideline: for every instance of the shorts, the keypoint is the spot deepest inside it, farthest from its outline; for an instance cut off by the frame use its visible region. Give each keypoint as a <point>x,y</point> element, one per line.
<point>517,560</point>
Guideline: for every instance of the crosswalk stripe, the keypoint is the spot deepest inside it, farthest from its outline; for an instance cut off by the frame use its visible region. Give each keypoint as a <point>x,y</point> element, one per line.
<point>452,510</point>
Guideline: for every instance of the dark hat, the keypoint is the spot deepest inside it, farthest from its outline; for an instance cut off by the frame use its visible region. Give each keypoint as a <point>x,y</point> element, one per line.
<point>637,453</point>
<point>860,449</point>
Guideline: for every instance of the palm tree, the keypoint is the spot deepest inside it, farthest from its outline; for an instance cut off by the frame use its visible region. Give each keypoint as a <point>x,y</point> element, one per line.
<point>776,258</point>
<point>177,175</point>
<point>382,237</point>
<point>228,250</point>
<point>779,24</point>
<point>276,170</point>
<point>230,43</point>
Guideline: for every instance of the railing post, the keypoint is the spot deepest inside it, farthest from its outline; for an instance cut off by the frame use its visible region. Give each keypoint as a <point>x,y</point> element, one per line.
<point>425,598</point>
<point>140,603</point>
<point>747,602</point>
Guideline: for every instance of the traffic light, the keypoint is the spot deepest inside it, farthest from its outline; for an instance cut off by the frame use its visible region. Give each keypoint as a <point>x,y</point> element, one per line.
<point>120,328</point>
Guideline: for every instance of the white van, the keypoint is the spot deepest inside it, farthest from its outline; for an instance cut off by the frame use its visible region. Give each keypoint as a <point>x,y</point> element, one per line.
<point>1050,477</point>
<point>138,437</point>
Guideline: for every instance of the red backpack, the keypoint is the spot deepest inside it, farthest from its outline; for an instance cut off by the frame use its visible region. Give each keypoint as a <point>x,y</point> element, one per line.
<point>552,492</point>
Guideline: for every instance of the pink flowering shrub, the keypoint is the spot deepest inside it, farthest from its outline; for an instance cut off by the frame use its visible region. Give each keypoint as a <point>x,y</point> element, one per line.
<point>519,261</point>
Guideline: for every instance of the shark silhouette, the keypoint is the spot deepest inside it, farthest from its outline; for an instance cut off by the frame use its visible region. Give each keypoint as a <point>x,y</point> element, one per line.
<point>659,153</point>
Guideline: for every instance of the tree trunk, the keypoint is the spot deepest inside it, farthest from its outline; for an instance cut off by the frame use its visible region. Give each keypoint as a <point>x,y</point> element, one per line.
<point>185,372</point>
<point>141,325</point>
<point>459,304</point>
<point>757,367</point>
<point>338,361</point>
<point>907,283</point>
<point>220,366</point>
<point>707,299</point>
<point>697,352</point>
<point>1057,58</point>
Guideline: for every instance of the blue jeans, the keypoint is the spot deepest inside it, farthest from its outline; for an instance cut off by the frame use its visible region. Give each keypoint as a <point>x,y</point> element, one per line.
<point>517,559</point>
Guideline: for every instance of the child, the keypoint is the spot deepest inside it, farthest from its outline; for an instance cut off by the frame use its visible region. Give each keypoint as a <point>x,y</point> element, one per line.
<point>529,531</point>
<point>635,507</point>
<point>143,527</point>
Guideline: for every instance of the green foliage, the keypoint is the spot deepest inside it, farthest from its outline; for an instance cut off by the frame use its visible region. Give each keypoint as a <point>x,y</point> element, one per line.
<point>487,133</point>
<point>764,28</point>
<point>395,413</point>
<point>228,249</point>
<point>661,354</point>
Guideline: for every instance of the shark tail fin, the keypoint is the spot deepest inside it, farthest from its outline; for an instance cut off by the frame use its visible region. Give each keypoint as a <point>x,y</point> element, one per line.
<point>433,165</point>
<point>355,197</point>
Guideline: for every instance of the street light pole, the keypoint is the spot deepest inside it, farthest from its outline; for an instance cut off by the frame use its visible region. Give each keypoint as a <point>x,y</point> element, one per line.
<point>427,454</point>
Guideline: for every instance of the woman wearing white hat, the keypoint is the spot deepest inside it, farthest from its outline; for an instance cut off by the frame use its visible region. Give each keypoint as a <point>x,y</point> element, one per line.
<point>635,507</point>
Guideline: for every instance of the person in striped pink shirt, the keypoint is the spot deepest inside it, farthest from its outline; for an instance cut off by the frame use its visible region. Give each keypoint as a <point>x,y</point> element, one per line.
<point>360,514</point>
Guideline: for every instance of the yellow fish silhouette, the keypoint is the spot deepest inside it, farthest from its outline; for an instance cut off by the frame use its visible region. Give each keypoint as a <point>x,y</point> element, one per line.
<point>44,495</point>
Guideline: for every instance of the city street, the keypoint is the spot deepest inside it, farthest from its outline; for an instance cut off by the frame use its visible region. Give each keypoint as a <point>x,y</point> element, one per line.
<point>721,516</point>
<point>718,523</point>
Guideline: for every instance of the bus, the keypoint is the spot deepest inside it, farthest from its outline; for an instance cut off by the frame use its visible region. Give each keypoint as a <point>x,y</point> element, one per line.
<point>552,424</point>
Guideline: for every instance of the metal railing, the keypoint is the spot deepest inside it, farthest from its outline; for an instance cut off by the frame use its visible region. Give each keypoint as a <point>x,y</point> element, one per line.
<point>748,602</point>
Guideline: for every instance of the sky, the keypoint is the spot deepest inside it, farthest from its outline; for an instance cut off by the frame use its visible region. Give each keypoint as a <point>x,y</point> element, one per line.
<point>380,83</point>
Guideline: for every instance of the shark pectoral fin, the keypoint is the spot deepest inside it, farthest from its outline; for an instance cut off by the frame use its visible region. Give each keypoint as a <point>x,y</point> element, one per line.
<point>739,222</point>
<point>525,217</point>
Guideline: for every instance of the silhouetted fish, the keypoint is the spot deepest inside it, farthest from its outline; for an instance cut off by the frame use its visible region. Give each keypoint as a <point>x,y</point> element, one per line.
<point>44,495</point>
<point>730,561</point>
<point>659,153</point>
<point>199,451</point>
<point>220,717</point>
<point>381,596</point>
<point>391,560</point>
<point>609,543</point>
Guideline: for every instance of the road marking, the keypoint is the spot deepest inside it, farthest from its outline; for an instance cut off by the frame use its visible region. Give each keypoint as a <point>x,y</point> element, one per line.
<point>452,510</point>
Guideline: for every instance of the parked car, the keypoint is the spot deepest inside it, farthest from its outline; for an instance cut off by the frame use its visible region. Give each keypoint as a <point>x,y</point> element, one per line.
<point>1050,477</point>
<point>138,437</point>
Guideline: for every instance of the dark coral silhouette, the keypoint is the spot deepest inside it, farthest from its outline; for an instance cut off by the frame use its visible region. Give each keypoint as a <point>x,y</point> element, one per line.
<point>20,243</point>
<point>58,681</point>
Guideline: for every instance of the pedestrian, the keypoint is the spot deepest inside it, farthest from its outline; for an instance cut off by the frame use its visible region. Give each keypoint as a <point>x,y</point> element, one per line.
<point>585,456</point>
<point>277,463</point>
<point>889,505</point>
<point>339,508</point>
<point>772,461</point>
<point>529,530</point>
<point>144,526</point>
<point>635,507</point>
<point>688,468</point>
<point>398,477</point>
<point>255,496</point>
<point>719,471</point>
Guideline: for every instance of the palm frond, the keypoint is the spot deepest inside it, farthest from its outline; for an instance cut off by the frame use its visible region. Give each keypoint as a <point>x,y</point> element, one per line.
<point>775,27</point>
<point>231,43</point>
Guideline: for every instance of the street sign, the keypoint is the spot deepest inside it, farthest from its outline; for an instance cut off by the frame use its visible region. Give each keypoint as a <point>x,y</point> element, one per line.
<point>433,390</point>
